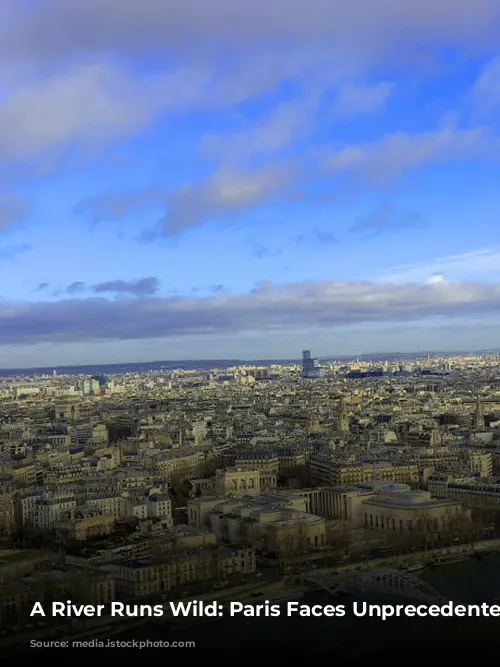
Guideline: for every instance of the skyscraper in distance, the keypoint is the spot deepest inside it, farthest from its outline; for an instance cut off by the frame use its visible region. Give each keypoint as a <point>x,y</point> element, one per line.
<point>310,368</point>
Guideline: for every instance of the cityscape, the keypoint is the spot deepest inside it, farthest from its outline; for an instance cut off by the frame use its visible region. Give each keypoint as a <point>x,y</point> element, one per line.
<point>246,483</point>
<point>249,329</point>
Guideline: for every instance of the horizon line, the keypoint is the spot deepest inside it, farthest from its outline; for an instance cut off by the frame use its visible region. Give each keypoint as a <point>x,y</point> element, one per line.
<point>341,357</point>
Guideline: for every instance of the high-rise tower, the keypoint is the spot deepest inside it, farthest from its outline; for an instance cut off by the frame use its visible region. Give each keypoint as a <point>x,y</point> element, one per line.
<point>310,368</point>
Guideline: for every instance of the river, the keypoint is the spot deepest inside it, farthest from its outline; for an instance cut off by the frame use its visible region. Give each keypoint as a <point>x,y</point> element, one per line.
<point>470,581</point>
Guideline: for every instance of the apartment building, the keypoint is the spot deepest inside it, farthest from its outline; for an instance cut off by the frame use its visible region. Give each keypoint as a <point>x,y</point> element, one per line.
<point>148,576</point>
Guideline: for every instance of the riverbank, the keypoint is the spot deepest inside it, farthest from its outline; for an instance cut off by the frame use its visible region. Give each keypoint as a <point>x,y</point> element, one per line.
<point>472,581</point>
<point>417,556</point>
<point>250,593</point>
<point>291,585</point>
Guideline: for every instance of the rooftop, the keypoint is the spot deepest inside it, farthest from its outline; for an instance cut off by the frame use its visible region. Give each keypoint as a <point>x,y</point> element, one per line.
<point>406,500</point>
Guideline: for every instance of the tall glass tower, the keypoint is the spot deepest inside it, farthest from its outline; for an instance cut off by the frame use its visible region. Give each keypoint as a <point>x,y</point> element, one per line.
<point>310,367</point>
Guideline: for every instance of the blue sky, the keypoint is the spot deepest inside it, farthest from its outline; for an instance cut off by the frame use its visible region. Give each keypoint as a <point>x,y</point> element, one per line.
<point>244,184</point>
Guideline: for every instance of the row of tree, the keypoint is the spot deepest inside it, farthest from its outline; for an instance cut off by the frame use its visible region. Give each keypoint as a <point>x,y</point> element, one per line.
<point>461,527</point>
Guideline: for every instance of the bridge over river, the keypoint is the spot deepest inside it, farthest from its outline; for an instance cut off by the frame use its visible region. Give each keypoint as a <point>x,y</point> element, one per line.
<point>380,580</point>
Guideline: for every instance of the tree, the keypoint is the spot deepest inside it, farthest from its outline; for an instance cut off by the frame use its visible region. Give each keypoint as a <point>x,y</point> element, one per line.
<point>298,477</point>
<point>180,490</point>
<point>487,517</point>
<point>459,527</point>
<point>210,465</point>
<point>338,538</point>
<point>344,537</point>
<point>293,547</point>
<point>285,550</point>
<point>420,531</point>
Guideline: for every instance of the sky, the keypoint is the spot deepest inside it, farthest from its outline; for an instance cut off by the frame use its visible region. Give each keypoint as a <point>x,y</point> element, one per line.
<point>194,180</point>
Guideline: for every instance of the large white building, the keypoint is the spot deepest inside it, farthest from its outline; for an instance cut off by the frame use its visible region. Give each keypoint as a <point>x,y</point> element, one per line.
<point>265,520</point>
<point>380,505</point>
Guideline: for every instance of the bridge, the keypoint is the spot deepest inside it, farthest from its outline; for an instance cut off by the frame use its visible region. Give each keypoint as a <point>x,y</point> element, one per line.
<point>379,580</point>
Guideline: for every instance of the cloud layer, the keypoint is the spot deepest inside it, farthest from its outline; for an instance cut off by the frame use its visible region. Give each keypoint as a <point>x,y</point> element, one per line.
<point>140,287</point>
<point>384,220</point>
<point>228,190</point>
<point>305,113</point>
<point>13,209</point>
<point>103,61</point>
<point>483,263</point>
<point>134,27</point>
<point>267,307</point>
<point>386,159</point>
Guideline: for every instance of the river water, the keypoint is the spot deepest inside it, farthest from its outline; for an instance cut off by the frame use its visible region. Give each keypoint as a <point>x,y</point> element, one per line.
<point>470,581</point>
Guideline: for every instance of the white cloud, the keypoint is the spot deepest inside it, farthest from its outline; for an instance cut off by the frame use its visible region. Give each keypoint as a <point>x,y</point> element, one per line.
<point>384,220</point>
<point>477,264</point>
<point>93,103</point>
<point>13,209</point>
<point>387,158</point>
<point>115,206</point>
<point>355,99</point>
<point>226,190</point>
<point>292,122</point>
<point>288,123</point>
<point>356,28</point>
<point>268,307</point>
<point>435,279</point>
<point>232,53</point>
<point>486,90</point>
<point>99,102</point>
